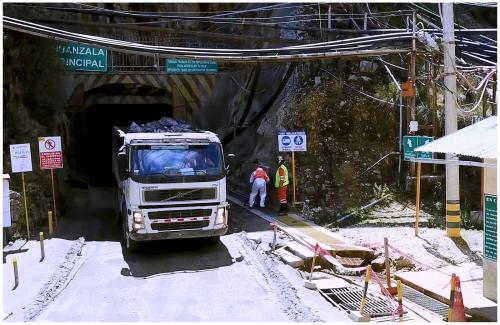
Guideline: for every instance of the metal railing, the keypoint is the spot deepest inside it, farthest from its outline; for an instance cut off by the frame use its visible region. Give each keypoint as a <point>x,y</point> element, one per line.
<point>119,61</point>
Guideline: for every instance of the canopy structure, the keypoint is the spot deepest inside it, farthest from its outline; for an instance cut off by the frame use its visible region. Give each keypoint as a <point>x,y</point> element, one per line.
<point>477,140</point>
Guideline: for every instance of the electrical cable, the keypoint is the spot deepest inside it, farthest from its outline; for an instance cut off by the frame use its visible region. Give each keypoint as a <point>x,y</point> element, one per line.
<point>219,54</point>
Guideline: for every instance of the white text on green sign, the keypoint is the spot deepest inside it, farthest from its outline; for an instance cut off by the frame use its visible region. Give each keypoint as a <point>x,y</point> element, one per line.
<point>410,143</point>
<point>490,227</point>
<point>191,66</point>
<point>83,57</point>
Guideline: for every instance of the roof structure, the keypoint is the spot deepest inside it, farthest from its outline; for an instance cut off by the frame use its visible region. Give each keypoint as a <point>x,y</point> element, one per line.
<point>477,140</point>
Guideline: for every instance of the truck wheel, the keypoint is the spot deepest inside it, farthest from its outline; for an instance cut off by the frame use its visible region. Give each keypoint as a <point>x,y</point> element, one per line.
<point>213,240</point>
<point>130,244</point>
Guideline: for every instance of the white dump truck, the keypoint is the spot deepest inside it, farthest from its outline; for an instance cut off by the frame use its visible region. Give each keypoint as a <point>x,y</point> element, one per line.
<point>169,184</point>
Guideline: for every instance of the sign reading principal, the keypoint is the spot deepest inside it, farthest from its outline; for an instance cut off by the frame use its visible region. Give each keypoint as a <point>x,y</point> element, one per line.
<point>83,57</point>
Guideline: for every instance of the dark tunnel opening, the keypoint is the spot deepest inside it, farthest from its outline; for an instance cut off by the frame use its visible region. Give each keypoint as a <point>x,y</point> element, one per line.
<point>100,119</point>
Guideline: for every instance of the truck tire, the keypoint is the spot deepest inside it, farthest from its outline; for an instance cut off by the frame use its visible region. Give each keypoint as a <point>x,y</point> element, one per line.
<point>130,245</point>
<point>213,240</point>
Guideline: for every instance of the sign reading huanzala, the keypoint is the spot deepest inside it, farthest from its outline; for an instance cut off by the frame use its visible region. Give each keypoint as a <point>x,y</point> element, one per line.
<point>83,57</point>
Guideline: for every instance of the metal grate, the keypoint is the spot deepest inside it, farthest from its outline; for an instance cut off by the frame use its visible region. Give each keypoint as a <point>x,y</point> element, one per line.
<point>179,214</point>
<point>424,301</point>
<point>349,298</point>
<point>180,225</point>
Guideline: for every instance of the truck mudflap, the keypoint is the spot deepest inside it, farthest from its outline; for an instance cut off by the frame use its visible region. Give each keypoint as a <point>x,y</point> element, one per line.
<point>195,233</point>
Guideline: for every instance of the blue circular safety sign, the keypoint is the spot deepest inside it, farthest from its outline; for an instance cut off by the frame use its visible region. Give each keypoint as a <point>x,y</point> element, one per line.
<point>286,141</point>
<point>298,140</point>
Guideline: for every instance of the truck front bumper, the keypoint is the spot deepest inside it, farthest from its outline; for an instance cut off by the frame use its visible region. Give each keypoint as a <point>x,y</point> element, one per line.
<point>196,233</point>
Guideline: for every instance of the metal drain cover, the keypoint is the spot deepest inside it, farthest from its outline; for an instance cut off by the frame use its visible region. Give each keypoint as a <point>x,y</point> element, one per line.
<point>425,302</point>
<point>349,298</point>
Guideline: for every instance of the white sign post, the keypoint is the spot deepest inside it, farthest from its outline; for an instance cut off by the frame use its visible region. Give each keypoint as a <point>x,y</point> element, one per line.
<point>51,157</point>
<point>7,220</point>
<point>20,160</point>
<point>292,141</point>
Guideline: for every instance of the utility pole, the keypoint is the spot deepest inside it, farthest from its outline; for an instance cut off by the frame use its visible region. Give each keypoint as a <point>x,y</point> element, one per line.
<point>450,100</point>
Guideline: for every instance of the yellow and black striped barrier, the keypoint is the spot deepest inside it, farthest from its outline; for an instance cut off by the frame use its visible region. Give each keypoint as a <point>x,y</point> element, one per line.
<point>453,218</point>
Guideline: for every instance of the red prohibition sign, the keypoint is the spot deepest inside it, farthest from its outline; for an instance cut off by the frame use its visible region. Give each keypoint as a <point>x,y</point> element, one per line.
<point>50,144</point>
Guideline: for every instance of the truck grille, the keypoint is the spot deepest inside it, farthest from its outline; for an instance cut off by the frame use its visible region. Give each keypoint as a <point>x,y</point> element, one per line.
<point>180,225</point>
<point>189,194</point>
<point>179,214</point>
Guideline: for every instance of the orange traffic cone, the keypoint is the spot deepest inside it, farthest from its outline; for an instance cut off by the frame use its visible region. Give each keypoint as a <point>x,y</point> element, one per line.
<point>458,304</point>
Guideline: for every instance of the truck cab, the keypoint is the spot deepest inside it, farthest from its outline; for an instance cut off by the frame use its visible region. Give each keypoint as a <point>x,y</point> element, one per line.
<point>170,185</point>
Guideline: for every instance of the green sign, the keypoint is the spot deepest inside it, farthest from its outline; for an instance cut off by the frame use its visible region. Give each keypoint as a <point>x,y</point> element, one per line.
<point>410,143</point>
<point>490,227</point>
<point>83,57</point>
<point>190,66</point>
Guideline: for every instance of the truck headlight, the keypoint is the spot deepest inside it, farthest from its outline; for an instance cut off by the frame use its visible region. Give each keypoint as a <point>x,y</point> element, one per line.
<point>138,221</point>
<point>221,215</point>
<point>137,217</point>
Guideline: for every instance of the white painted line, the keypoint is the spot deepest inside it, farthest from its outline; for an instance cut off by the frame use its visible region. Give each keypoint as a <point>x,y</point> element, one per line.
<point>254,211</point>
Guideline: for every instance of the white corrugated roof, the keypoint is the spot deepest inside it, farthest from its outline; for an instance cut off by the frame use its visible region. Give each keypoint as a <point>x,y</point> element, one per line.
<point>476,140</point>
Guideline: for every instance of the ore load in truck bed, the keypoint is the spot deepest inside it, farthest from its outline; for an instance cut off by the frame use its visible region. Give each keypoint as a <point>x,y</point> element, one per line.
<point>165,124</point>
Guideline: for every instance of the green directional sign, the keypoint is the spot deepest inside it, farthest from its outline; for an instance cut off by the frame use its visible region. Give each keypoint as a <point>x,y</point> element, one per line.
<point>83,57</point>
<point>190,66</point>
<point>411,142</point>
<point>490,227</point>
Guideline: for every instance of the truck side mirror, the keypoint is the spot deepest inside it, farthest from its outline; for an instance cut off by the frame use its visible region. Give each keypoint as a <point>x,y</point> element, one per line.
<point>122,166</point>
<point>230,158</point>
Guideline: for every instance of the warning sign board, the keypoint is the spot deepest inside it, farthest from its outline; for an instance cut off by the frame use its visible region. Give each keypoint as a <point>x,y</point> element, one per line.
<point>50,152</point>
<point>20,158</point>
<point>292,141</point>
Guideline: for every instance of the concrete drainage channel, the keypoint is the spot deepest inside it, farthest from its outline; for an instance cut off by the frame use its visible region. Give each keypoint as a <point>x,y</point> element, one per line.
<point>348,298</point>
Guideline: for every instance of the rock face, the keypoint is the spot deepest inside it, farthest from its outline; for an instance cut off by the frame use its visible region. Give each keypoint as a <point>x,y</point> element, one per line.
<point>368,67</point>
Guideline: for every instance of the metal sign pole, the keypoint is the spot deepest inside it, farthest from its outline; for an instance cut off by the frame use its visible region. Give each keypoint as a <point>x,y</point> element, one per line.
<point>26,207</point>
<point>417,203</point>
<point>54,196</point>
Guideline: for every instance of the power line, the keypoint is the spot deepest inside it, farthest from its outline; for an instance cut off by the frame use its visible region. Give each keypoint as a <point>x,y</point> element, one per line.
<point>231,55</point>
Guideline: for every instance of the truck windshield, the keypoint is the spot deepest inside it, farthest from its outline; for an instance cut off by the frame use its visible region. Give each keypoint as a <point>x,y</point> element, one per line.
<point>177,160</point>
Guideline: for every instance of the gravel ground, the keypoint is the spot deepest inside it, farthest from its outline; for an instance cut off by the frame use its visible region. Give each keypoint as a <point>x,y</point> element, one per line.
<point>431,247</point>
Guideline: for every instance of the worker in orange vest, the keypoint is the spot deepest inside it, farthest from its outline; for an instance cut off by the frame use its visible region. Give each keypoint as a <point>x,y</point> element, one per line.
<point>281,183</point>
<point>258,179</point>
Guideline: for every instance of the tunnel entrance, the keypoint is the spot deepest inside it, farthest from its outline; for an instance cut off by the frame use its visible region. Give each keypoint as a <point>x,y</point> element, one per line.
<point>100,119</point>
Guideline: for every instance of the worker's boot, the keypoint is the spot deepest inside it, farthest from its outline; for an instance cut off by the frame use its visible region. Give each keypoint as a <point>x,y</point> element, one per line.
<point>282,209</point>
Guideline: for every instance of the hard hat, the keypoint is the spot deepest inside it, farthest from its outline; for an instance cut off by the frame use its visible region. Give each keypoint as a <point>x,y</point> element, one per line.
<point>280,158</point>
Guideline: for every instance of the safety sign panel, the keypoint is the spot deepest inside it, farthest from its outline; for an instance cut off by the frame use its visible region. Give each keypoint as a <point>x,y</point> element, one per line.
<point>20,158</point>
<point>490,227</point>
<point>50,152</point>
<point>292,141</point>
<point>83,57</point>
<point>191,66</point>
<point>410,143</point>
